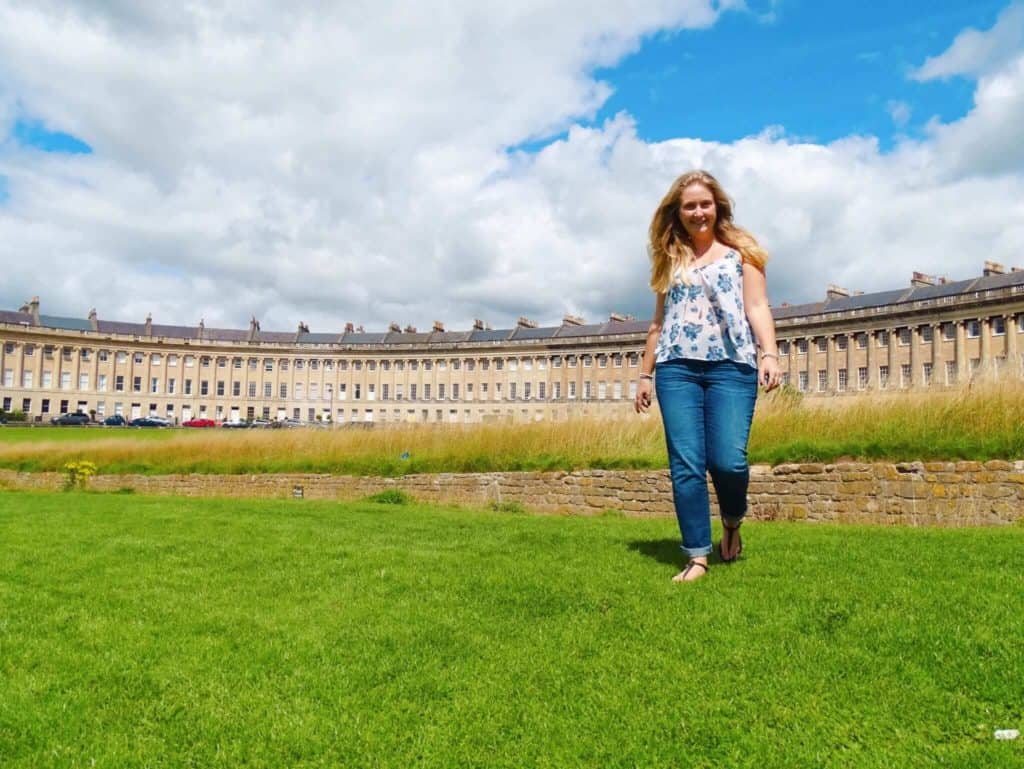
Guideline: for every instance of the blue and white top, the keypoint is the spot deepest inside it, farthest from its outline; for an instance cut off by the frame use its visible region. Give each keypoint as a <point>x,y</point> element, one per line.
<point>706,320</point>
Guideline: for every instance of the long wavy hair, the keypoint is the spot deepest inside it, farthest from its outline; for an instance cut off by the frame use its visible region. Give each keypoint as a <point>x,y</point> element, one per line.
<point>669,244</point>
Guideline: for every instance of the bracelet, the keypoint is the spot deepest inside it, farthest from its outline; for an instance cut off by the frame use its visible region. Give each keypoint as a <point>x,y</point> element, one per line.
<point>769,355</point>
<point>646,376</point>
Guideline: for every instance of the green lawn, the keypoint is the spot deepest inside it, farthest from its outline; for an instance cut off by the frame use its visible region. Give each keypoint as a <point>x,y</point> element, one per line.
<point>155,632</point>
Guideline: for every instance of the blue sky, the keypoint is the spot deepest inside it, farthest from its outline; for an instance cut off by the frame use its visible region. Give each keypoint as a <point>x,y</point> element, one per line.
<point>174,153</point>
<point>821,70</point>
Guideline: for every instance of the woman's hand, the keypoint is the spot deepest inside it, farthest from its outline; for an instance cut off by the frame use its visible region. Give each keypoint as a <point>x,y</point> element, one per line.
<point>643,396</point>
<point>769,375</point>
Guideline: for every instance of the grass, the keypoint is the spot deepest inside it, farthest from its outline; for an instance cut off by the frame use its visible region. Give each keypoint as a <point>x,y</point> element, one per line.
<point>146,631</point>
<point>982,422</point>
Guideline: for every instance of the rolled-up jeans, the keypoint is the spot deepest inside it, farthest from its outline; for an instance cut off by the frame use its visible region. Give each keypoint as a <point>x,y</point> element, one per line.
<point>706,407</point>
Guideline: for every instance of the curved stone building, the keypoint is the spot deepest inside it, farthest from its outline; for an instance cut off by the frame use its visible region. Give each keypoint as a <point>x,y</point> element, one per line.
<point>932,334</point>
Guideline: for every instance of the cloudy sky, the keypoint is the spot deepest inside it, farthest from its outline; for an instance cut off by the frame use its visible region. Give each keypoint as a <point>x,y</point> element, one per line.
<point>375,161</point>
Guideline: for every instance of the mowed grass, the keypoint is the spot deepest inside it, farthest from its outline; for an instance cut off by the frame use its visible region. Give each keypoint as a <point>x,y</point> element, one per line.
<point>982,422</point>
<point>157,632</point>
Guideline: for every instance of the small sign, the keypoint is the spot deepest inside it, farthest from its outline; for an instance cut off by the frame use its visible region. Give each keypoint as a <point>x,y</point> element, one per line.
<point>297,492</point>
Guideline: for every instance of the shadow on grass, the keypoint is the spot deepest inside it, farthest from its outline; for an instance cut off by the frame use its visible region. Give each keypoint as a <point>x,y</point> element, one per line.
<point>667,551</point>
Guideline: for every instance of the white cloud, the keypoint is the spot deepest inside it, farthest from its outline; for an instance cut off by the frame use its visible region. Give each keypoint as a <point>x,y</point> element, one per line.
<point>974,53</point>
<point>899,111</point>
<point>328,165</point>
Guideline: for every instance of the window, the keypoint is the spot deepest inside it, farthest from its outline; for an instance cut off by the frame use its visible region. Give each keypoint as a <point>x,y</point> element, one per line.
<point>617,360</point>
<point>883,338</point>
<point>602,390</point>
<point>204,387</point>
<point>412,392</point>
<point>85,354</point>
<point>822,380</point>
<point>587,390</point>
<point>399,391</point>
<point>314,389</point>
<point>904,336</point>
<point>513,364</point>
<point>137,357</point>
<point>328,365</point>
<point>300,390</point>
<point>101,383</point>
<point>414,365</point>
<point>541,394</point>
<point>171,386</point>
<point>950,372</point>
<point>8,379</point>
<point>204,361</point>
<point>45,407</point>
<point>512,391</point>
<point>440,392</point>
<point>842,342</point>
<point>268,388</point>
<point>26,378</point>
<point>155,359</point>
<point>9,350</point>
<point>556,390</point>
<point>371,392</point>
<point>975,365</point>
<point>862,377</point>
<point>426,392</point>
<point>973,329</point>
<point>137,384</point>
<point>570,361</point>
<point>1020,323</point>
<point>236,389</point>
<point>314,365</point>
<point>905,375</point>
<point>843,380</point>
<point>862,341</point>
<point>470,364</point>
<point>281,364</point>
<point>190,361</point>
<point>801,346</point>
<point>385,392</point>
<point>47,380</point>
<point>253,364</point>
<point>587,361</point>
<point>220,387</point>
<point>784,347</point>
<point>222,362</point>
<point>83,381</point>
<point>119,383</point>
<point>188,387</point>
<point>572,389</point>
<point>456,364</point>
<point>65,380</point>
<point>104,355</point>
<point>300,364</point>
<point>883,376</point>
<point>602,361</point>
<point>357,392</point>
<point>998,326</point>
<point>821,343</point>
<point>455,391</point>
<point>282,390</point>
<point>802,381</point>
<point>949,331</point>
<point>926,333</point>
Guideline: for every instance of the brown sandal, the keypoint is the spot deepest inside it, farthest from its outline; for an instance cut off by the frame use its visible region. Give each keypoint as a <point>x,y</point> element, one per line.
<point>729,532</point>
<point>681,576</point>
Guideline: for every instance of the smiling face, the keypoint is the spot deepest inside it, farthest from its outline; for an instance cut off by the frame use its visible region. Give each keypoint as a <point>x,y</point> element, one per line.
<point>697,211</point>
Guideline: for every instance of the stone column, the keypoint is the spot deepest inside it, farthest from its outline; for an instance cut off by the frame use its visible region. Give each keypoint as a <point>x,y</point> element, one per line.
<point>962,366</point>
<point>809,364</point>
<point>1011,339</point>
<point>936,343</point>
<point>915,340</point>
<point>893,345</point>
<point>986,341</point>
<point>830,375</point>
<point>870,358</point>
<point>851,342</point>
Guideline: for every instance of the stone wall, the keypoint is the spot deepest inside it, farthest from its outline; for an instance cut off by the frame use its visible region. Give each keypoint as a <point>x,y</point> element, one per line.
<point>908,493</point>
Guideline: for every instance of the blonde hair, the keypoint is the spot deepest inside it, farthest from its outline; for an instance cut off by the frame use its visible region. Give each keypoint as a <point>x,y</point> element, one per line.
<point>669,244</point>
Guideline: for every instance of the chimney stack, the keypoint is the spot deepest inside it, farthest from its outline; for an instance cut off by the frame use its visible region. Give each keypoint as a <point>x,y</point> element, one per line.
<point>525,322</point>
<point>572,320</point>
<point>394,327</point>
<point>618,317</point>
<point>410,329</point>
<point>439,326</point>
<point>993,268</point>
<point>349,328</point>
<point>478,325</point>
<point>149,324</point>
<point>93,320</point>
<point>835,292</point>
<point>920,280</point>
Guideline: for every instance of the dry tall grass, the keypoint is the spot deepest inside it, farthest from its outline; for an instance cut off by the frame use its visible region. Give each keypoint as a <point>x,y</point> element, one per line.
<point>982,421</point>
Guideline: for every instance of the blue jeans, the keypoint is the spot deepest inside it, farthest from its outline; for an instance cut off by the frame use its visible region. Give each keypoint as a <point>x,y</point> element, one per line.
<point>706,407</point>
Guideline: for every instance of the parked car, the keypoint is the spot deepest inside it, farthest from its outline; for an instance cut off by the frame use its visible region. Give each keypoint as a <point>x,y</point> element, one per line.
<point>199,423</point>
<point>77,418</point>
<point>290,423</point>
<point>149,422</point>
<point>115,420</point>
<point>235,424</point>
<point>261,423</point>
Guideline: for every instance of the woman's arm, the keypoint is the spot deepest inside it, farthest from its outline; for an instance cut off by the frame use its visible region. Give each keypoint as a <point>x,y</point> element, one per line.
<point>759,314</point>
<point>643,386</point>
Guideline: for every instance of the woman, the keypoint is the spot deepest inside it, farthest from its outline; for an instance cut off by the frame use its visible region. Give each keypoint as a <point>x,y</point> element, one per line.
<point>708,276</point>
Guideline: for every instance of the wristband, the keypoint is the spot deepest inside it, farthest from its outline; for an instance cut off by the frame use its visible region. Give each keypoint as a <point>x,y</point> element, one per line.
<point>646,376</point>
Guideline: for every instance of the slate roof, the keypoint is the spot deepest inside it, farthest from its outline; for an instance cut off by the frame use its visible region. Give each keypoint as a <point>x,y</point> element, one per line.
<point>491,335</point>
<point>7,316</point>
<point>591,329</point>
<point>177,332</point>
<point>119,327</point>
<point>547,332</point>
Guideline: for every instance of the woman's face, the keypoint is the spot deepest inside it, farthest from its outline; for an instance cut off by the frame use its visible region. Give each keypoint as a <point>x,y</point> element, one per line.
<point>697,210</point>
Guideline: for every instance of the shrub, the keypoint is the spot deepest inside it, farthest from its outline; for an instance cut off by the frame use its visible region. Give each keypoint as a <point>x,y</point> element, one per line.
<point>12,416</point>
<point>391,497</point>
<point>77,474</point>
<point>507,507</point>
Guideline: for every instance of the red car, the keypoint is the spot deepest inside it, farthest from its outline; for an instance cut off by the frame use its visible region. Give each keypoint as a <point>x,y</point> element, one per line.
<point>199,423</point>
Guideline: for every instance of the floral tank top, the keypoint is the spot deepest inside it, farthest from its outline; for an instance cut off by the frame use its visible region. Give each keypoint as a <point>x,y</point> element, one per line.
<point>706,320</point>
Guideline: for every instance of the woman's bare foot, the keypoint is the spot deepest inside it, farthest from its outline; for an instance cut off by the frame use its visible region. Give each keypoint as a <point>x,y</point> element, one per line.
<point>695,569</point>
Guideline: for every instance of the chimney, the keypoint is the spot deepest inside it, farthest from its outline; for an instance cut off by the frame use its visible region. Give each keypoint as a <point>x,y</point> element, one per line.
<point>942,280</point>
<point>93,320</point>
<point>202,328</point>
<point>394,328</point>
<point>858,293</point>
<point>410,329</point>
<point>439,326</point>
<point>149,324</point>
<point>525,322</point>
<point>835,292</point>
<point>254,328</point>
<point>303,328</point>
<point>920,280</point>
<point>618,317</point>
<point>349,328</point>
<point>32,308</point>
<point>572,320</point>
<point>478,325</point>
<point>784,304</point>
<point>1017,269</point>
<point>993,268</point>
<point>360,329</point>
